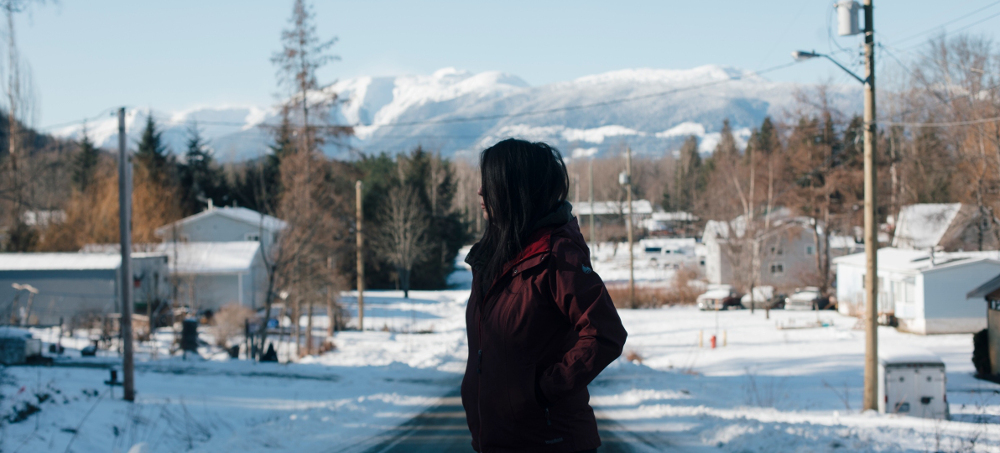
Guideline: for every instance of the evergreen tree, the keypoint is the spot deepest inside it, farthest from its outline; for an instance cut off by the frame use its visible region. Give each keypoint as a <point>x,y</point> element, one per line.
<point>201,179</point>
<point>85,163</point>
<point>153,154</point>
<point>727,142</point>
<point>689,175</point>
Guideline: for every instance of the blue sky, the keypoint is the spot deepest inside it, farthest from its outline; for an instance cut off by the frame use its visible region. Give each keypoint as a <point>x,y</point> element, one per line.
<point>89,55</point>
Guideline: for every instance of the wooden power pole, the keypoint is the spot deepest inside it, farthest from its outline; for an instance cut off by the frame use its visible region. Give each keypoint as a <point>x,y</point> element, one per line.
<point>871,223</point>
<point>628,223</point>
<point>361,261</point>
<point>125,231</point>
<point>593,239</point>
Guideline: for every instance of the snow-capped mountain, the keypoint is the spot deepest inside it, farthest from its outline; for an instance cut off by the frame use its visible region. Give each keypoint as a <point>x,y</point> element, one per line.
<point>460,113</point>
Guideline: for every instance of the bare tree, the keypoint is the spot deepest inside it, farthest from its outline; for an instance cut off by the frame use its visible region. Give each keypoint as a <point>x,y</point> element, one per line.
<point>400,235</point>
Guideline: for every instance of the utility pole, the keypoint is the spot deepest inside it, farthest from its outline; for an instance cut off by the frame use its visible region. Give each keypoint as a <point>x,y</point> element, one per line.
<point>361,261</point>
<point>592,238</point>
<point>125,231</point>
<point>628,223</point>
<point>871,223</point>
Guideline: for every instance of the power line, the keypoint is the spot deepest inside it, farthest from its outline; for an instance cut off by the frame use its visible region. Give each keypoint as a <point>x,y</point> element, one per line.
<point>937,27</point>
<point>964,27</point>
<point>942,124</point>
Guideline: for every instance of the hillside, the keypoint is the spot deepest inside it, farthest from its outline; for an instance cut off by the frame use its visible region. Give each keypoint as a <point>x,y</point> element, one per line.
<point>460,112</point>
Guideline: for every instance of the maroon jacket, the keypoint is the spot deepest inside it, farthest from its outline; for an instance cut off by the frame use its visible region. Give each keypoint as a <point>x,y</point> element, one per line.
<point>542,332</point>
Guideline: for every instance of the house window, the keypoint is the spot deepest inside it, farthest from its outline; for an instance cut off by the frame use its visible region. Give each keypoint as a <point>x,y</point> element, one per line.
<point>252,237</point>
<point>777,251</point>
<point>777,268</point>
<point>809,250</point>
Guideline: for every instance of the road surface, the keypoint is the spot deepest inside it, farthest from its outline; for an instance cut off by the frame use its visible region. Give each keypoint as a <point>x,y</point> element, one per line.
<point>442,429</point>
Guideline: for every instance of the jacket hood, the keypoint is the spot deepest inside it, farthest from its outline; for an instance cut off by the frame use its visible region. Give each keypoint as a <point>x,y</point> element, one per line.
<point>561,217</point>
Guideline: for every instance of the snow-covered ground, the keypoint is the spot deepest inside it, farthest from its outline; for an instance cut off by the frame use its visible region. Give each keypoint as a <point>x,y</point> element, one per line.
<point>765,389</point>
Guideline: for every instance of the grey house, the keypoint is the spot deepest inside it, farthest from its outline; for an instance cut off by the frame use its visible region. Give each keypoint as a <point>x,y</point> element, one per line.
<point>217,256</point>
<point>74,285</point>
<point>787,251</point>
<point>227,224</point>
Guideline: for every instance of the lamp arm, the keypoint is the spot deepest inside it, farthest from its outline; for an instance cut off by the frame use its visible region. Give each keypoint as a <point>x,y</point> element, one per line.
<point>859,79</point>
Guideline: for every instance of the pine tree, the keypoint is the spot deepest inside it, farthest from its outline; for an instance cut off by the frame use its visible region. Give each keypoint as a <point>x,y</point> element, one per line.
<point>688,174</point>
<point>201,178</point>
<point>727,142</point>
<point>152,153</point>
<point>85,163</point>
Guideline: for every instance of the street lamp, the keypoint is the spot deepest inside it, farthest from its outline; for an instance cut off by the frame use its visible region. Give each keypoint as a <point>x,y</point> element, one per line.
<point>803,55</point>
<point>847,13</point>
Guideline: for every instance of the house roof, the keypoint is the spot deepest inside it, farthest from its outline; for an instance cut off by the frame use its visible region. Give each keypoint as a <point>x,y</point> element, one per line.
<point>721,228</point>
<point>248,216</point>
<point>614,207</point>
<point>210,257</point>
<point>985,289</point>
<point>58,261</point>
<point>918,261</point>
<point>922,226</point>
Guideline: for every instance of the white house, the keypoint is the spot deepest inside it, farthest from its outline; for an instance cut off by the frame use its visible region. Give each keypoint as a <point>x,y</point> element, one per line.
<point>949,227</point>
<point>926,292</point>
<point>76,285</point>
<point>210,275</point>
<point>216,256</point>
<point>226,224</point>
<point>787,253</point>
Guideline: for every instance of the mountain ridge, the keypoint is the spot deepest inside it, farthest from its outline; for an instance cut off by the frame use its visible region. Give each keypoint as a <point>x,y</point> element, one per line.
<point>459,112</point>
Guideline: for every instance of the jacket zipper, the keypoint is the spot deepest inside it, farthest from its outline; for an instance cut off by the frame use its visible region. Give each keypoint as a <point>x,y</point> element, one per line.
<point>479,367</point>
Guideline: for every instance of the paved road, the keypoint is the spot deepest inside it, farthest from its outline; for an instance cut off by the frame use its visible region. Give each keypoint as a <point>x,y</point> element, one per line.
<point>442,429</point>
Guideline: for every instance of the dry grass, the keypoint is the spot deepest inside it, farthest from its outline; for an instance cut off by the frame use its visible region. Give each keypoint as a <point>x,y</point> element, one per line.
<point>679,292</point>
<point>230,322</point>
<point>633,356</point>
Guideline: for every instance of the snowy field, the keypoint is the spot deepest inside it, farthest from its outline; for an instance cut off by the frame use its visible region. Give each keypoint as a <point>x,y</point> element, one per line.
<point>765,389</point>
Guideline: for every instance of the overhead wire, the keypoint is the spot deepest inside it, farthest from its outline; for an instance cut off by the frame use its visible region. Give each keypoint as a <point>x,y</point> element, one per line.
<point>938,26</point>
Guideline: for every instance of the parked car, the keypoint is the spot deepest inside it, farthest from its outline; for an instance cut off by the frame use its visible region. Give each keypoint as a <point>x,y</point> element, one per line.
<point>764,297</point>
<point>719,297</point>
<point>808,298</point>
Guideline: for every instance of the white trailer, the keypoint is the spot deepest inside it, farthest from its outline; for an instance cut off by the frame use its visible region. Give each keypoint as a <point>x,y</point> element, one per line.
<point>912,383</point>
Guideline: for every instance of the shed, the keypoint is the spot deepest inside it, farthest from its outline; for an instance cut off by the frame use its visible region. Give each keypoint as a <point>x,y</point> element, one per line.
<point>990,291</point>
<point>75,284</point>
<point>912,382</point>
<point>926,292</point>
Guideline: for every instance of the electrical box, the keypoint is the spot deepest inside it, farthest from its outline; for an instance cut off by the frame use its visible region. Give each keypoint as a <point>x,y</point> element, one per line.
<point>912,383</point>
<point>623,178</point>
<point>847,18</point>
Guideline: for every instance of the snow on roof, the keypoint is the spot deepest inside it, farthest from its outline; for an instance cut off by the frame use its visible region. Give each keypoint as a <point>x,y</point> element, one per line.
<point>210,257</point>
<point>614,207</point>
<point>909,355</point>
<point>985,289</point>
<point>922,226</point>
<point>720,228</point>
<point>678,216</point>
<point>244,215</point>
<point>58,261</point>
<point>843,242</point>
<point>908,260</point>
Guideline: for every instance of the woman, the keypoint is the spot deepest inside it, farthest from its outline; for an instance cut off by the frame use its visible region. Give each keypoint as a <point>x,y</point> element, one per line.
<point>540,322</point>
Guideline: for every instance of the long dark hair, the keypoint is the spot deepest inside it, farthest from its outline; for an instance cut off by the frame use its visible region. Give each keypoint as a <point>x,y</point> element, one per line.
<point>522,182</point>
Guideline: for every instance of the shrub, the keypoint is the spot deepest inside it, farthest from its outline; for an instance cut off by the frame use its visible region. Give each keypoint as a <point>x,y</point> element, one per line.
<point>230,322</point>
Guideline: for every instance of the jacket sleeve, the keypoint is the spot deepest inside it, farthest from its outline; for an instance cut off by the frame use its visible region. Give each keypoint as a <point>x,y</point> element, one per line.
<point>581,296</point>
